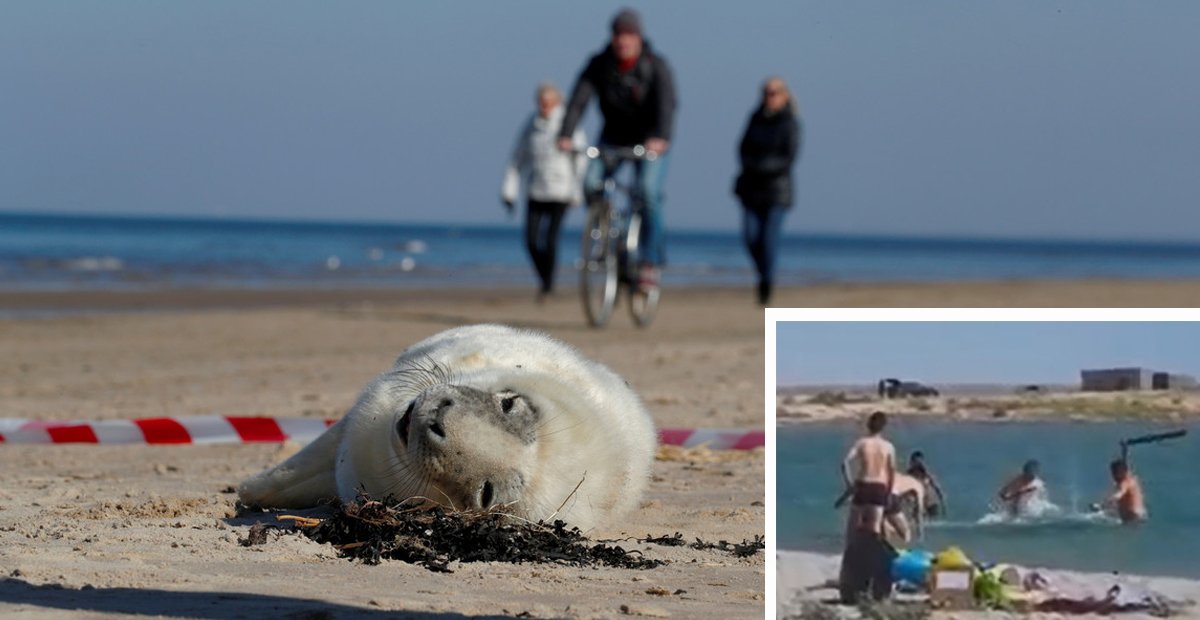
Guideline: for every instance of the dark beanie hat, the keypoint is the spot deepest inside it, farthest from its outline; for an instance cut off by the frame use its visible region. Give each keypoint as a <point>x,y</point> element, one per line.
<point>627,21</point>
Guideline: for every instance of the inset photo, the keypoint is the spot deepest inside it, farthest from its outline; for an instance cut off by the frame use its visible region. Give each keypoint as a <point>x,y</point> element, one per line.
<point>1030,460</point>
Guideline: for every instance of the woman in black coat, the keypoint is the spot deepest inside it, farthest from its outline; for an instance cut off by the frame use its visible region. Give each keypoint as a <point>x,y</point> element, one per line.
<point>768,149</point>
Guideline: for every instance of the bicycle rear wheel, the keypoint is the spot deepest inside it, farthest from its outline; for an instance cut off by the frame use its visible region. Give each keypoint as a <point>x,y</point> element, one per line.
<point>643,304</point>
<point>598,275</point>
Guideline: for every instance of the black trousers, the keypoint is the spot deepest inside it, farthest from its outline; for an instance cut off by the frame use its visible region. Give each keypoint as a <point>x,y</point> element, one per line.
<point>542,221</point>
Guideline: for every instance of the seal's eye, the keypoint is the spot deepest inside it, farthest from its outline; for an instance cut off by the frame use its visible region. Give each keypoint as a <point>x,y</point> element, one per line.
<point>507,404</point>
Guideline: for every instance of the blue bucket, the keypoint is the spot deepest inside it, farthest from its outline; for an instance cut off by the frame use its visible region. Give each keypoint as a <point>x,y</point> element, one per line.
<point>912,567</point>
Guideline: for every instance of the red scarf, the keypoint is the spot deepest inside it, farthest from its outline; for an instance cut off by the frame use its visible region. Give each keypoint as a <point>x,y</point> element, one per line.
<point>624,66</point>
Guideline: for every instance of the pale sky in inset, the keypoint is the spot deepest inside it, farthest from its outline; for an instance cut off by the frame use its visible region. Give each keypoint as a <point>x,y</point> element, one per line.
<point>821,352</point>
<point>993,118</point>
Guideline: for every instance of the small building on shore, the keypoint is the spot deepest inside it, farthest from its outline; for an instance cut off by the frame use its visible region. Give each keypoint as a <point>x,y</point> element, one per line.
<point>1132,378</point>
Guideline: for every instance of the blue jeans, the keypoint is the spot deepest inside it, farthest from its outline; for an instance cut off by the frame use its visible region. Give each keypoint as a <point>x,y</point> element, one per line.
<point>542,220</point>
<point>648,180</point>
<point>760,229</point>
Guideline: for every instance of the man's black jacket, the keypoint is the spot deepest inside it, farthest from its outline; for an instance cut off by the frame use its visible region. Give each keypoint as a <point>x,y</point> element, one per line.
<point>636,105</point>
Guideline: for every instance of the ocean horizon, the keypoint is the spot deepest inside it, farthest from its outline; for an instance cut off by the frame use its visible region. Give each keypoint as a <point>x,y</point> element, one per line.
<point>100,252</point>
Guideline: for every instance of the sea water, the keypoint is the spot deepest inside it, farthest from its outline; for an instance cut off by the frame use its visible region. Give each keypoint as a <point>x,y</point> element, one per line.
<point>39,251</point>
<point>972,460</point>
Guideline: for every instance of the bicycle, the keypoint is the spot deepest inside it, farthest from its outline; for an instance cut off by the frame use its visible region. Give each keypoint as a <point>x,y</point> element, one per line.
<point>610,246</point>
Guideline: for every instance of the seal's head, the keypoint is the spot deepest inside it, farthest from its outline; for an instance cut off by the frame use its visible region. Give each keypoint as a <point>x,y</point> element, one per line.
<point>481,417</point>
<point>515,438</point>
<point>475,447</point>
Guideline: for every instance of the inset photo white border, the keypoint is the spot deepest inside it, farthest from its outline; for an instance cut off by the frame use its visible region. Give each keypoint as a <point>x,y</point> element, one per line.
<point>774,316</point>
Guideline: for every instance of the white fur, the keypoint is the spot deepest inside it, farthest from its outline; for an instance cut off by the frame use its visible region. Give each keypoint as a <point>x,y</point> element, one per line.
<point>595,433</point>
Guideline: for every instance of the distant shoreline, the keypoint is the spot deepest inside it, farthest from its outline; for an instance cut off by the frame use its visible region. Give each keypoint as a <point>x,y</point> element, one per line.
<point>972,241</point>
<point>196,298</point>
<point>42,252</point>
<point>1005,293</point>
<point>793,406</point>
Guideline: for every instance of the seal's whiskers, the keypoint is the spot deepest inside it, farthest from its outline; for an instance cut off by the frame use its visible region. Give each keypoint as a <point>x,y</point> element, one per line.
<point>568,497</point>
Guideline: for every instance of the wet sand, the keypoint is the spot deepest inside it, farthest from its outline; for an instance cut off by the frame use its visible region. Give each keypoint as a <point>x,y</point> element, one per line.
<point>1101,293</point>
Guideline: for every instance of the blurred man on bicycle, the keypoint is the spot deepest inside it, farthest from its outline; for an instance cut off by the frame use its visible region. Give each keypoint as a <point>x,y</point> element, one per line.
<point>637,99</point>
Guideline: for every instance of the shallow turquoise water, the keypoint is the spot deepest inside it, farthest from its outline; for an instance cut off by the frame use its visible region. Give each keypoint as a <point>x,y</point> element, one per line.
<point>973,459</point>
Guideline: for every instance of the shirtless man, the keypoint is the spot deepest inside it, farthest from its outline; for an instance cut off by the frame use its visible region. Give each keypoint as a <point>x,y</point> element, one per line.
<point>1025,486</point>
<point>904,504</point>
<point>908,500</point>
<point>871,484</point>
<point>935,500</point>
<point>1127,498</point>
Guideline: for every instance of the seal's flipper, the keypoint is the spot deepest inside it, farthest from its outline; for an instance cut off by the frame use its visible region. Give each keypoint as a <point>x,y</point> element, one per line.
<point>304,480</point>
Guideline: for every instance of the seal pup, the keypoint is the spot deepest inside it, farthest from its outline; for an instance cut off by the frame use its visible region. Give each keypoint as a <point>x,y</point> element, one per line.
<point>481,417</point>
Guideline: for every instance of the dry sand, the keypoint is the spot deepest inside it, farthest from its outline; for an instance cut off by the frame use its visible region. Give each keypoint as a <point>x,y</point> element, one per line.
<point>803,578</point>
<point>800,405</point>
<point>104,531</point>
<point>1098,293</point>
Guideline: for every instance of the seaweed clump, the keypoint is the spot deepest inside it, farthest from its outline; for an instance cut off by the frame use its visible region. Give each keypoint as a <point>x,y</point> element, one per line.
<point>371,531</point>
<point>744,549</point>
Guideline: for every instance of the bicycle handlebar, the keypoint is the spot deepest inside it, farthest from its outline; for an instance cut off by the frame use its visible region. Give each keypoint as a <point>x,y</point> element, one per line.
<point>635,152</point>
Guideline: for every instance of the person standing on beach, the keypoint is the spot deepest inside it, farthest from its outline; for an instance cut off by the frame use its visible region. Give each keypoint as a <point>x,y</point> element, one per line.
<point>869,472</point>
<point>551,178</point>
<point>1127,497</point>
<point>935,502</point>
<point>636,92</point>
<point>1024,488</point>
<point>767,151</point>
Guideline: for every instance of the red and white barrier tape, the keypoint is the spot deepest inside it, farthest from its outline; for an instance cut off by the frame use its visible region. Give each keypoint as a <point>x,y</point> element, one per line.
<point>715,438</point>
<point>202,429</point>
<point>210,429</point>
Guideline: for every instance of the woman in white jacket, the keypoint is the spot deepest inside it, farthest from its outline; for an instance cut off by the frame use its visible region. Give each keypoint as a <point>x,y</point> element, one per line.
<point>553,180</point>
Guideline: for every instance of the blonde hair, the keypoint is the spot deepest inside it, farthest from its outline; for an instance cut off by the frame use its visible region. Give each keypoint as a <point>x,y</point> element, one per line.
<point>791,101</point>
<point>548,87</point>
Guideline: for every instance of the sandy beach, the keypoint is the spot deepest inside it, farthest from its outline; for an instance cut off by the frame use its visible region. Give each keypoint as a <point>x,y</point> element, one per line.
<point>1026,415</point>
<point>1084,293</point>
<point>108,531</point>
<point>798,405</point>
<point>803,579</point>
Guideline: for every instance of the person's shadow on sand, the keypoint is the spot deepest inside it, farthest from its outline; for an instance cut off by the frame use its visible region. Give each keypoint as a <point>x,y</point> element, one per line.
<point>215,605</point>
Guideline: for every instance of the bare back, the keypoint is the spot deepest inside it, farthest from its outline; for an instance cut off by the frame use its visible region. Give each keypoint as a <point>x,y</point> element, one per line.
<point>874,457</point>
<point>1131,506</point>
<point>908,484</point>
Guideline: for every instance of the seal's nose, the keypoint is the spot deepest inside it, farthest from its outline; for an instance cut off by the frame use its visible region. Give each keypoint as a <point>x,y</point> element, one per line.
<point>436,409</point>
<point>438,418</point>
<point>435,418</point>
<point>441,411</point>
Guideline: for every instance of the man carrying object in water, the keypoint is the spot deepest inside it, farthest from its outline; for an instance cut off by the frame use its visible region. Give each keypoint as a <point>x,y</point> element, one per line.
<point>871,485</point>
<point>1127,498</point>
<point>904,506</point>
<point>1023,488</point>
<point>935,501</point>
<point>907,502</point>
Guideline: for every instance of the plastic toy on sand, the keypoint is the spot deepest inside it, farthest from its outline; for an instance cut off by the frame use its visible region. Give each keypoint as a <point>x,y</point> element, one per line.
<point>912,567</point>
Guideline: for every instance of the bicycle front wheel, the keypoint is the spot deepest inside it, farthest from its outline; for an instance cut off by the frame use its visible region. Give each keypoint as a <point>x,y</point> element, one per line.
<point>643,303</point>
<point>598,275</point>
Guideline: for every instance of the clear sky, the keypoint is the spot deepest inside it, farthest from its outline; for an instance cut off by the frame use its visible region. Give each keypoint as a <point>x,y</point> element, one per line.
<point>977,352</point>
<point>990,118</point>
